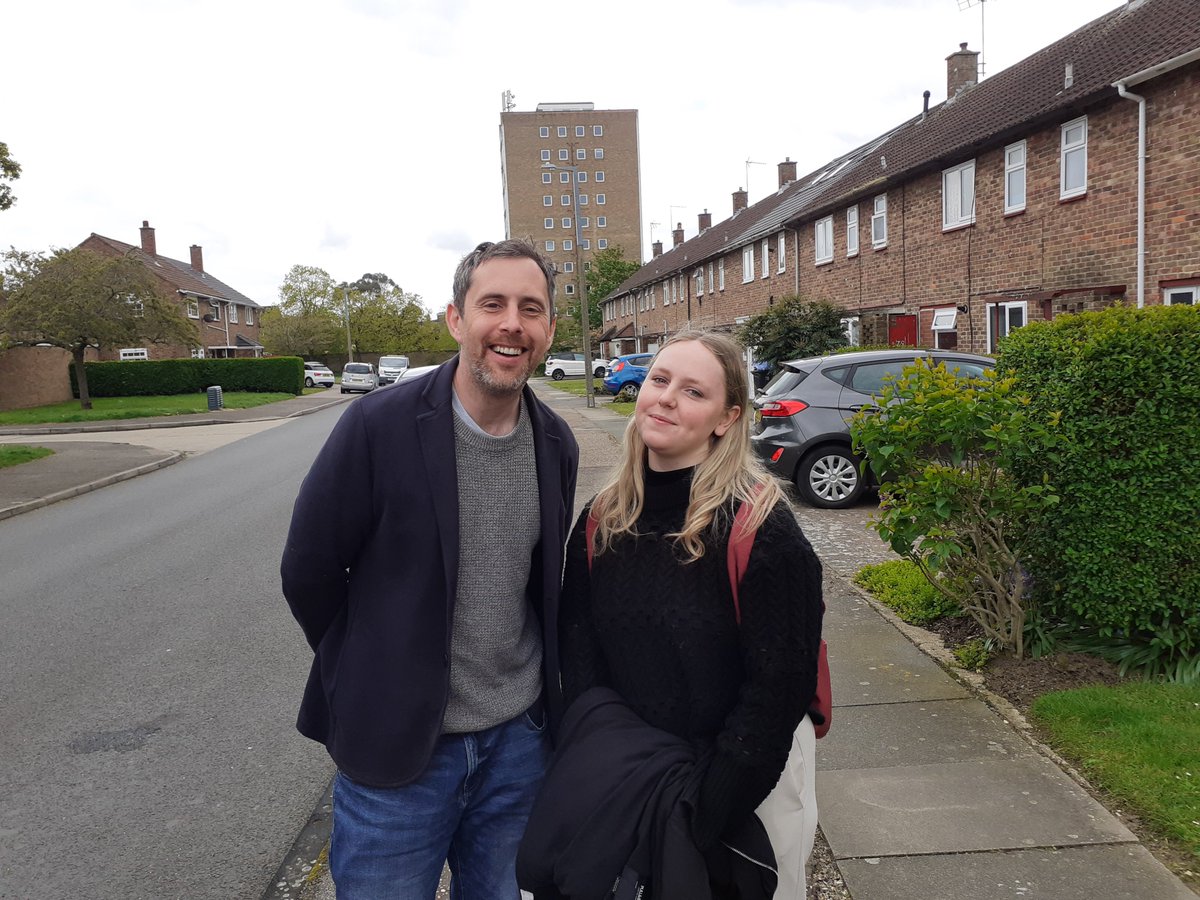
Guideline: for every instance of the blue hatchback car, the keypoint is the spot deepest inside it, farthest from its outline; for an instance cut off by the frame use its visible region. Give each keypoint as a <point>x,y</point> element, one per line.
<point>627,373</point>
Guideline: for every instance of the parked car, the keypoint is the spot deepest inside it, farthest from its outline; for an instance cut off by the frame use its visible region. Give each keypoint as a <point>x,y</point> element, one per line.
<point>392,368</point>
<point>801,426</point>
<point>560,365</point>
<point>627,373</point>
<point>317,373</point>
<point>359,376</point>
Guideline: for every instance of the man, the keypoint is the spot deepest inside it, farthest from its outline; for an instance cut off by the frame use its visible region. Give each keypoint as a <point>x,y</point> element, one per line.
<point>423,564</point>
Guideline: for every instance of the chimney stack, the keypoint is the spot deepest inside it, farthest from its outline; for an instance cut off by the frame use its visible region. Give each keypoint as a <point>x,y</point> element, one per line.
<point>740,198</point>
<point>705,221</point>
<point>962,70</point>
<point>677,235</point>
<point>787,171</point>
<point>657,245</point>
<point>197,258</point>
<point>148,239</point>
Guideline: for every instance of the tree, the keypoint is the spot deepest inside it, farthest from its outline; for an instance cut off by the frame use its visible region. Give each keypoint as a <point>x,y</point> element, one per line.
<point>306,289</point>
<point>306,335</point>
<point>76,299</point>
<point>609,270</point>
<point>10,170</point>
<point>794,327</point>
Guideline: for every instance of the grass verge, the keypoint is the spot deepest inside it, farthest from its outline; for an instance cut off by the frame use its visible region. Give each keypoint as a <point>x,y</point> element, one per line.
<point>1140,742</point>
<point>577,387</point>
<point>104,408</point>
<point>15,454</point>
<point>900,585</point>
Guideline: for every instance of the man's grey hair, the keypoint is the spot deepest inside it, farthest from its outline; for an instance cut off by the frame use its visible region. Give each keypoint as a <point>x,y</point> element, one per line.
<point>510,249</point>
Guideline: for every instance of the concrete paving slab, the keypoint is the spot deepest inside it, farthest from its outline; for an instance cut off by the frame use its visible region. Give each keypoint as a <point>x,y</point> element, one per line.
<point>872,662</point>
<point>914,734</point>
<point>1125,872</point>
<point>1008,804</point>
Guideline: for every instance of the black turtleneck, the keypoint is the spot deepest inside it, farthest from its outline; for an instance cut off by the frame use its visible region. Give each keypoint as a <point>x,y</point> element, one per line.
<point>663,633</point>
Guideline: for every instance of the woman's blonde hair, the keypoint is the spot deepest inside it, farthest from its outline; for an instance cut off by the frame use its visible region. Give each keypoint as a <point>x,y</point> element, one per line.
<point>731,472</point>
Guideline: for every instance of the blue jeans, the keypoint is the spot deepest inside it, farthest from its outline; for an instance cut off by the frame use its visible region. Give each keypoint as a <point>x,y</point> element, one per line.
<point>468,809</point>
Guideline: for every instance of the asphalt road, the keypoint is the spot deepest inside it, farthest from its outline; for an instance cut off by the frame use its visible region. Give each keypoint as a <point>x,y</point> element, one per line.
<point>149,678</point>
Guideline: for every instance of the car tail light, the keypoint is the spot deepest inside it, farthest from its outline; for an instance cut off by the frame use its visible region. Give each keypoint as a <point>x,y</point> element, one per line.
<point>618,367</point>
<point>779,409</point>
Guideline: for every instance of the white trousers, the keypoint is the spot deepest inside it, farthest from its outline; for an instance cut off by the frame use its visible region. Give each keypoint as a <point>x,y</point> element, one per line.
<point>790,814</point>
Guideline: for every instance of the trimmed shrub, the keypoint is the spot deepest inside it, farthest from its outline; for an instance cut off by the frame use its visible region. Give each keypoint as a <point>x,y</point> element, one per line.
<point>1119,557</point>
<point>164,377</point>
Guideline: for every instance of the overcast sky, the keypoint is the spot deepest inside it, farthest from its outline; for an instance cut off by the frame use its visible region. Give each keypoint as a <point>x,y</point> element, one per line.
<point>362,135</point>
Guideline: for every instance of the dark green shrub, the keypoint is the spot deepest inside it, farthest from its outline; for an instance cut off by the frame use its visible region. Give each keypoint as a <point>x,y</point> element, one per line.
<point>163,377</point>
<point>899,584</point>
<point>1119,557</point>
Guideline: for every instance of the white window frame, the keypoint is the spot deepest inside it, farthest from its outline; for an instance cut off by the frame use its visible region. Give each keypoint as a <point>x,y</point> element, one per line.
<point>566,222</point>
<point>562,130</point>
<point>600,175</point>
<point>568,244</point>
<point>193,309</point>
<point>564,177</point>
<point>712,286</point>
<point>580,153</point>
<point>215,306</point>
<point>585,243</point>
<point>600,199</point>
<point>945,321</point>
<point>1174,296</point>
<point>584,221</point>
<point>823,241</point>
<point>547,178</point>
<point>747,264</point>
<point>564,155</point>
<point>721,275</point>
<point>1007,306</point>
<point>548,222</point>
<point>852,231</point>
<point>547,200</point>
<point>879,222</point>
<point>1014,169</point>
<point>781,249</point>
<point>197,353</point>
<point>569,267</point>
<point>549,246</point>
<point>249,315</point>
<point>570,288</point>
<point>958,196</point>
<point>566,199</point>
<point>1070,151</point>
<point>597,131</point>
<point>601,221</point>
<point>137,306</point>
<point>581,177</point>
<point>583,199</point>
<point>134,354</point>
<point>233,313</point>
<point>766,257</point>
<point>545,156</point>
<point>602,243</point>
<point>580,131</point>
<point>598,153</point>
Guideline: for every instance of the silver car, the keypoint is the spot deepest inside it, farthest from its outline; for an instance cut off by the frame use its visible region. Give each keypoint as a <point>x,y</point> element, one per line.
<point>802,417</point>
<point>359,376</point>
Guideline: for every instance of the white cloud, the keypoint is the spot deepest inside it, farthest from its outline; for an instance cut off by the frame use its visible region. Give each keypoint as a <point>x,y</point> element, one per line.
<point>362,135</point>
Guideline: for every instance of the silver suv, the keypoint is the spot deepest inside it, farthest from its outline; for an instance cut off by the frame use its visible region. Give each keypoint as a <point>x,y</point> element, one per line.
<point>802,417</point>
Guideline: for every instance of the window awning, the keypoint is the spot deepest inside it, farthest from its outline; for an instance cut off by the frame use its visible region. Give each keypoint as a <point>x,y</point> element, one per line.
<point>944,319</point>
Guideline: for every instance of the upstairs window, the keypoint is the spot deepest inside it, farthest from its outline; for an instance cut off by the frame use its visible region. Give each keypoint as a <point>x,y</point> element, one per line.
<point>823,240</point>
<point>193,309</point>
<point>1014,177</point>
<point>747,263</point>
<point>852,231</point>
<point>544,131</point>
<point>879,223</point>
<point>781,251</point>
<point>1073,159</point>
<point>233,313</point>
<point>958,195</point>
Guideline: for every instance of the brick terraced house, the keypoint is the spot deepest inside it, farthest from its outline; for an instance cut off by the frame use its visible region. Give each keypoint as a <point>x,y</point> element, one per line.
<point>1065,183</point>
<point>227,320</point>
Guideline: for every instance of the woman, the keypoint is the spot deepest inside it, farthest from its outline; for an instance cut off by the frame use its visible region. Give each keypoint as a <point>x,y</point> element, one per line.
<point>652,615</point>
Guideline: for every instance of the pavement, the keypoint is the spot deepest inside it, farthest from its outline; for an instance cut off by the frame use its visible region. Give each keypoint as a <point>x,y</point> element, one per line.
<point>929,787</point>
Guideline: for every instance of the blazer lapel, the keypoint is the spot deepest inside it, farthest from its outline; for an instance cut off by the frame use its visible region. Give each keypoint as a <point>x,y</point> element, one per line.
<point>435,429</point>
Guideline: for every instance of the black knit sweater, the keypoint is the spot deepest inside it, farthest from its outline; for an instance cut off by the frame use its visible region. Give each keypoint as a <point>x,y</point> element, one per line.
<point>663,633</point>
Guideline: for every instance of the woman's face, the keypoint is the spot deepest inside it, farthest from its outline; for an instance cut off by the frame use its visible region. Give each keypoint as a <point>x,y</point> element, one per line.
<point>681,406</point>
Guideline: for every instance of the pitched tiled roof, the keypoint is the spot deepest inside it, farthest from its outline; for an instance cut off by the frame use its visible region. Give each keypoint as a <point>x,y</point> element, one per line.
<point>1131,39</point>
<point>180,274</point>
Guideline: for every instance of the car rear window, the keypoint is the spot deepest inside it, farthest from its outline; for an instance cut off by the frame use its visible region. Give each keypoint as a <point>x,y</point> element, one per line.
<point>357,369</point>
<point>784,382</point>
<point>868,378</point>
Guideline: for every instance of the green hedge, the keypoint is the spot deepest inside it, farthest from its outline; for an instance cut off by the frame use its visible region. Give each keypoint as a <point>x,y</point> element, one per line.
<point>151,378</point>
<point>1119,557</point>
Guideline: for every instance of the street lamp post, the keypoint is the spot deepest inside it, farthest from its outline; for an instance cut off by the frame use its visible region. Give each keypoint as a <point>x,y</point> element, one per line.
<point>585,319</point>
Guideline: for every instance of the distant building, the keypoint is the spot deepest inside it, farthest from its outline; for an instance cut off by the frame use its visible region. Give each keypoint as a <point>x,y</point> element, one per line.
<point>603,146</point>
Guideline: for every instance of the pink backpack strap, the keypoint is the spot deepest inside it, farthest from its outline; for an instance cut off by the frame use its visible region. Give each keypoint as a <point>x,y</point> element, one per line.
<point>589,534</point>
<point>741,542</point>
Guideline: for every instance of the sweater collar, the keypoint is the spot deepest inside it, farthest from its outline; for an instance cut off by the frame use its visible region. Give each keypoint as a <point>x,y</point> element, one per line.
<point>668,489</point>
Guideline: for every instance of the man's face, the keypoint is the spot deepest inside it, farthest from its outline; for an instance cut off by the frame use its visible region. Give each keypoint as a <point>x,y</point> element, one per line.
<point>504,329</point>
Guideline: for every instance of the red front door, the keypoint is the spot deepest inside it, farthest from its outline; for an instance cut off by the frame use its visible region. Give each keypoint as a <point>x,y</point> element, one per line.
<point>902,330</point>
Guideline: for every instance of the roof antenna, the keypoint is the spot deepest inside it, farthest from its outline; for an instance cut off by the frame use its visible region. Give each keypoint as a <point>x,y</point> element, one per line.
<point>967,4</point>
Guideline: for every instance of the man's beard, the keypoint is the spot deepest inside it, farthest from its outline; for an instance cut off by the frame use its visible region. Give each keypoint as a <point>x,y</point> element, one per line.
<point>497,387</point>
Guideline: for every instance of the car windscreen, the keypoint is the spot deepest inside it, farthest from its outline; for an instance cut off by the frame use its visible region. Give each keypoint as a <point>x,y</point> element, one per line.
<point>357,369</point>
<point>393,362</point>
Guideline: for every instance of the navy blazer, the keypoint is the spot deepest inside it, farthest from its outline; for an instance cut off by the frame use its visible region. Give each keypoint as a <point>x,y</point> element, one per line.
<point>370,572</point>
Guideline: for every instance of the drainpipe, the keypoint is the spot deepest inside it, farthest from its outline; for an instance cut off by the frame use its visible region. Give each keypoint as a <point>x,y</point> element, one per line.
<point>1141,192</point>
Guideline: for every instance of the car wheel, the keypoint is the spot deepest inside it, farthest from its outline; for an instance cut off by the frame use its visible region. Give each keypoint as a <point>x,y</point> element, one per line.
<point>599,373</point>
<point>308,382</point>
<point>557,374</point>
<point>829,478</point>
<point>630,391</point>
<point>343,390</point>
